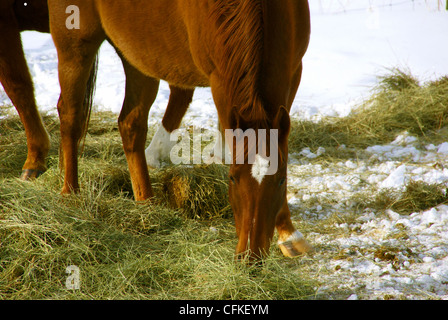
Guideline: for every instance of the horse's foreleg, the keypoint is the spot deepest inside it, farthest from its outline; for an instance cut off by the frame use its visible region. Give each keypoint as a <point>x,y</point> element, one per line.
<point>17,82</point>
<point>160,146</point>
<point>141,92</point>
<point>291,242</point>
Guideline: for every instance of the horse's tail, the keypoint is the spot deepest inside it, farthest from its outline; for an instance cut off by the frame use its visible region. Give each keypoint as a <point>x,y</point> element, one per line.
<point>89,99</point>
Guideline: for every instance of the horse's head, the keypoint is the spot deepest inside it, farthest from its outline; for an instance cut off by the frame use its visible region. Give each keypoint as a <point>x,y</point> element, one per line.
<point>257,186</point>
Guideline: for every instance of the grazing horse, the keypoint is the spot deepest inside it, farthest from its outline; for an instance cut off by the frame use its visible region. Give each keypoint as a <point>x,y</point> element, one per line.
<point>20,15</point>
<point>248,51</point>
<point>17,16</point>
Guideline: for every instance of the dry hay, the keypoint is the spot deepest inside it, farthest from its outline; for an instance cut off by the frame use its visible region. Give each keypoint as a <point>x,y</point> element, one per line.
<point>198,191</point>
<point>399,103</point>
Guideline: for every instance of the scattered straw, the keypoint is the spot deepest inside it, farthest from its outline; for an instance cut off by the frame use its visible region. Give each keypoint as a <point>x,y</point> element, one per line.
<point>399,103</point>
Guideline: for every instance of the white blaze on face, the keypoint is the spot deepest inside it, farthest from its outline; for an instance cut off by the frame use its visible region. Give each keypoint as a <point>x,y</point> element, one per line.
<point>260,168</point>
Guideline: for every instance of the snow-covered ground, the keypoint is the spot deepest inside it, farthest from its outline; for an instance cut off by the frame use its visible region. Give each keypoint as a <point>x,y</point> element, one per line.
<point>352,43</point>
<point>417,267</point>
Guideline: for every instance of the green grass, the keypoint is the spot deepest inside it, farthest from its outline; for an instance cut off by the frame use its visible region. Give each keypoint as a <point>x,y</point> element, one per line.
<point>399,103</point>
<point>124,249</point>
<point>417,196</point>
<point>182,245</point>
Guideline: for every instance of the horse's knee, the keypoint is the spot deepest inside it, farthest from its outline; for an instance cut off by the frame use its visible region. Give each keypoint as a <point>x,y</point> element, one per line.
<point>133,130</point>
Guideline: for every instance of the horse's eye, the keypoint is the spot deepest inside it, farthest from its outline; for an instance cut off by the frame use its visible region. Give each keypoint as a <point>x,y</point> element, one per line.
<point>232,179</point>
<point>282,181</point>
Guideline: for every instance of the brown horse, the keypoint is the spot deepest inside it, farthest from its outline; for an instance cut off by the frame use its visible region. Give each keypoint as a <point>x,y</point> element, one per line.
<point>248,51</point>
<point>20,15</point>
<point>17,16</point>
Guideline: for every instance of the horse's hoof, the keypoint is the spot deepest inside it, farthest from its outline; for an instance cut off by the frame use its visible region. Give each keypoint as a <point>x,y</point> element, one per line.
<point>30,174</point>
<point>153,163</point>
<point>295,245</point>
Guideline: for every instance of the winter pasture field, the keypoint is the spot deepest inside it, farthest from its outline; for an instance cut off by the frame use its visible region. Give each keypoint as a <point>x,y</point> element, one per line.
<point>367,179</point>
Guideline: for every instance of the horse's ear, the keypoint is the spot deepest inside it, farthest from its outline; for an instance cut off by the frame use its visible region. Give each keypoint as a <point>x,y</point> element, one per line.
<point>282,122</point>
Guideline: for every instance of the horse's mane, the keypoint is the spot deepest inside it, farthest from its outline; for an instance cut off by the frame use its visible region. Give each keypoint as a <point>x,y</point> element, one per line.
<point>239,47</point>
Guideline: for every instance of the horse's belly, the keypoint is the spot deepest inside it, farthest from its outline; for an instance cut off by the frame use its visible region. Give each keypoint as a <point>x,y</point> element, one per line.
<point>156,44</point>
<point>174,67</point>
